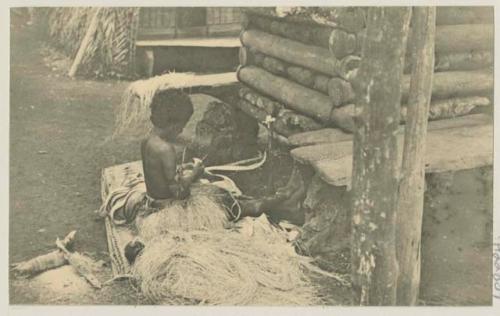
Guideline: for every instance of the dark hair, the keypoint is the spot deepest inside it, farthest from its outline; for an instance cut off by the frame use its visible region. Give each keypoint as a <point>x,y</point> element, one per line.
<point>171,107</point>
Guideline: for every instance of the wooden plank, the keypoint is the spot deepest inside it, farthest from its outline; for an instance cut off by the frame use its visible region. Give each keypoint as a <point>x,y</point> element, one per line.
<point>192,42</point>
<point>412,179</point>
<point>325,135</point>
<point>333,135</point>
<point>450,149</point>
<point>173,81</point>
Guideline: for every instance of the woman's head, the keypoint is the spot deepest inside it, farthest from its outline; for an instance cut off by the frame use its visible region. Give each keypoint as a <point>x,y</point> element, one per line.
<point>170,111</point>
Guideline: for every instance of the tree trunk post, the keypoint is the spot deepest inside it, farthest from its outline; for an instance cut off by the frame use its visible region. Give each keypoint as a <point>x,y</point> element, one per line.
<point>411,198</point>
<point>375,156</point>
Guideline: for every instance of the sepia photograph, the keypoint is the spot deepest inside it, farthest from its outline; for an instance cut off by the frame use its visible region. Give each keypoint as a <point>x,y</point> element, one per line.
<point>251,156</point>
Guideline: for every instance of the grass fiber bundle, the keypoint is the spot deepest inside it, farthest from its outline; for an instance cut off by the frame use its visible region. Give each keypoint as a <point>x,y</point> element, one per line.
<point>202,210</point>
<point>224,267</point>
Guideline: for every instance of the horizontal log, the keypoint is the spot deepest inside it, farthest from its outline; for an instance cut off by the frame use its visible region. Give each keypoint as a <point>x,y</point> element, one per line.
<point>472,60</point>
<point>260,22</point>
<point>304,100</point>
<point>342,43</point>
<point>463,61</point>
<point>269,106</point>
<point>448,84</point>
<point>322,136</point>
<point>296,123</point>
<point>342,117</point>
<point>250,56</point>
<point>291,31</point>
<point>333,135</point>
<point>271,13</point>
<point>452,84</point>
<point>286,123</point>
<point>450,108</point>
<point>306,77</point>
<point>308,34</point>
<point>253,111</point>
<point>446,150</point>
<point>351,19</point>
<point>301,75</point>
<point>312,57</point>
<point>274,65</point>
<point>464,15</point>
<point>453,38</point>
<point>321,83</point>
<point>340,91</point>
<point>463,38</point>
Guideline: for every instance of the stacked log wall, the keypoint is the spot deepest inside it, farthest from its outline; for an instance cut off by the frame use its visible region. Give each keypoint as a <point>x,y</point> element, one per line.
<point>305,66</point>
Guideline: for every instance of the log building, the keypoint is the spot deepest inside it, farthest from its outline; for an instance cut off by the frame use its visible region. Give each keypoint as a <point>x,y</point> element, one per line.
<point>300,67</point>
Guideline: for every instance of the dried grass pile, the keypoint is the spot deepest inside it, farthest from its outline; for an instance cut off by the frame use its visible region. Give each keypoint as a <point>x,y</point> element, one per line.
<point>112,49</point>
<point>203,210</point>
<point>225,268</point>
<point>132,115</point>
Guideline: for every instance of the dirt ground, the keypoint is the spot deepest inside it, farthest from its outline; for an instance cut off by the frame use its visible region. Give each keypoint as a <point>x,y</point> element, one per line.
<point>59,143</point>
<point>59,130</point>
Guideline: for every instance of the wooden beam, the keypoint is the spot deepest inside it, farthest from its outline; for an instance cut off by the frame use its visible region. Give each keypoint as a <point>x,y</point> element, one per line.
<point>308,56</point>
<point>295,96</point>
<point>411,188</point>
<point>331,136</point>
<point>375,164</point>
<point>192,42</point>
<point>448,149</point>
<point>335,135</point>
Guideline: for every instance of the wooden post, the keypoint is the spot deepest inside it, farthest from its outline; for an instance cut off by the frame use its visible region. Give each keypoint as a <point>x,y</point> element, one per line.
<point>411,190</point>
<point>85,43</point>
<point>375,156</point>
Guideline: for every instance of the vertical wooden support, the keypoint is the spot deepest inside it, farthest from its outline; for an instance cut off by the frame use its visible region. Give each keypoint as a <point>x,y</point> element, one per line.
<point>375,163</point>
<point>411,198</point>
<point>149,61</point>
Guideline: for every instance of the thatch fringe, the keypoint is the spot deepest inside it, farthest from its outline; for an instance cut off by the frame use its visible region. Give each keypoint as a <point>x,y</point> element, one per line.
<point>113,46</point>
<point>133,113</point>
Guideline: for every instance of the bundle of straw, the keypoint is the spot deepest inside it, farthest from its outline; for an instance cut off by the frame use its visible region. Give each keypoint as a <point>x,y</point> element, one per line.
<point>112,49</point>
<point>203,210</point>
<point>223,268</point>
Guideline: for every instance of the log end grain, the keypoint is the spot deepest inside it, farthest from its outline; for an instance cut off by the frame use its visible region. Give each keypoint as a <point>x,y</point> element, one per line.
<point>341,43</point>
